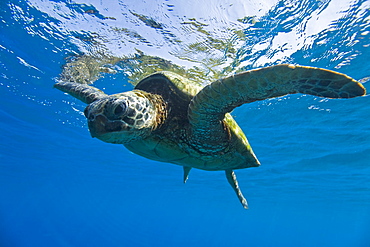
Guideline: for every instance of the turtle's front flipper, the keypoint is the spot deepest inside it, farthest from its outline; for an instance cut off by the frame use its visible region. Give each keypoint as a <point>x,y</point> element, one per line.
<point>230,175</point>
<point>83,92</point>
<point>207,109</point>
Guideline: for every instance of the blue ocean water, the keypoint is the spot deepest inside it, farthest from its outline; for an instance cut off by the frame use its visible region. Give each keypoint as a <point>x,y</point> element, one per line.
<point>60,187</point>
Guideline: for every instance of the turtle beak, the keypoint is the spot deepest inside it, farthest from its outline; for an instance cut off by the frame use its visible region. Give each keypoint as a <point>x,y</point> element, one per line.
<point>107,130</point>
<point>97,126</point>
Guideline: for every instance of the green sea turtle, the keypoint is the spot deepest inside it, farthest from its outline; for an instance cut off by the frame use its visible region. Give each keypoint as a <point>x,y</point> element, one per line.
<point>171,119</point>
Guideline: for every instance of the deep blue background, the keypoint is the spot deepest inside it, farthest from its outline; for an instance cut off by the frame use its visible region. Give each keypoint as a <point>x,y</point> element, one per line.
<point>60,187</point>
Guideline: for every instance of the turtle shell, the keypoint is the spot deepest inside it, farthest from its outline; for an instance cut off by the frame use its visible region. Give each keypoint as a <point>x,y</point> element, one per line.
<point>176,90</point>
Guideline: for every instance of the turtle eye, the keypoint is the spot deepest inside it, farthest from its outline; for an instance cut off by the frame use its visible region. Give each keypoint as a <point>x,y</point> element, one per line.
<point>120,109</point>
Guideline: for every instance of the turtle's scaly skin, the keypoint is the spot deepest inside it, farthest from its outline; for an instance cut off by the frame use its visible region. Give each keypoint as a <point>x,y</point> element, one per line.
<point>83,92</point>
<point>210,105</point>
<point>171,119</point>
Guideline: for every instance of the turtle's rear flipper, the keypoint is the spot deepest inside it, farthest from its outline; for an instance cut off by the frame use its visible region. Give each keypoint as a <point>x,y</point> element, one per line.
<point>230,175</point>
<point>186,173</point>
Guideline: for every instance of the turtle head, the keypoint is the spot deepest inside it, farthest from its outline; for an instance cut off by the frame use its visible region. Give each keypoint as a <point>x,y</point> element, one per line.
<point>121,118</point>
